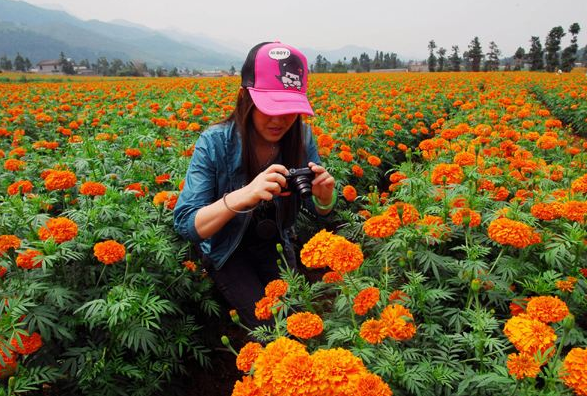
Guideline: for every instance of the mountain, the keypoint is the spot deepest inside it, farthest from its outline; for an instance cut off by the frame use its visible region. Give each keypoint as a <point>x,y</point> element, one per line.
<point>39,33</point>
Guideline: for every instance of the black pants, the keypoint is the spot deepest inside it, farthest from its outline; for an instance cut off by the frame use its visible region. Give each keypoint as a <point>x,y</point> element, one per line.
<point>242,279</point>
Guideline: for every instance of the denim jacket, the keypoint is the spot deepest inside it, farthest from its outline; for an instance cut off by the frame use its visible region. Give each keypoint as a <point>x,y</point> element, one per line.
<point>215,169</point>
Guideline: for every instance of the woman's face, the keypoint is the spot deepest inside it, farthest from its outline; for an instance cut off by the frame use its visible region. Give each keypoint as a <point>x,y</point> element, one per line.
<point>272,128</point>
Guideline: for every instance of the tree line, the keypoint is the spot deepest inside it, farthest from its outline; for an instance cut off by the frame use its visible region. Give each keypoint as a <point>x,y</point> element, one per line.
<point>550,58</point>
<point>363,63</point>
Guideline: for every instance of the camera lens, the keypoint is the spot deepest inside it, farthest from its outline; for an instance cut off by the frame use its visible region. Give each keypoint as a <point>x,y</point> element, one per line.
<point>303,186</point>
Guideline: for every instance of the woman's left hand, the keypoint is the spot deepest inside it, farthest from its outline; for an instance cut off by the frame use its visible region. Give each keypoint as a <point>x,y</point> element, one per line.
<point>322,185</point>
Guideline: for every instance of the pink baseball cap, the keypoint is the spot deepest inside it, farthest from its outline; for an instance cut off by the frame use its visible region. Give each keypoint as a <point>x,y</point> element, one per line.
<point>276,76</point>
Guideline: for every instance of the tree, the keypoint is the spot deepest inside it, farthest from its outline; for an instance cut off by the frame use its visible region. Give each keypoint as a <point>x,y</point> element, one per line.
<point>441,58</point>
<point>66,64</point>
<point>475,54</point>
<point>19,64</point>
<point>5,63</point>
<point>115,66</point>
<point>551,48</point>
<point>232,70</point>
<point>569,54</point>
<point>492,62</point>
<point>365,62</point>
<point>431,57</point>
<point>466,61</point>
<point>455,59</point>
<point>102,66</point>
<point>536,54</point>
<point>321,64</point>
<point>174,72</point>
<point>355,64</point>
<point>339,67</point>
<point>27,64</point>
<point>519,57</point>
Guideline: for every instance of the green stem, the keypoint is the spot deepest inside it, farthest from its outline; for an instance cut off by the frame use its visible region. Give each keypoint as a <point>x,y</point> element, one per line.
<point>496,260</point>
<point>348,297</point>
<point>101,274</point>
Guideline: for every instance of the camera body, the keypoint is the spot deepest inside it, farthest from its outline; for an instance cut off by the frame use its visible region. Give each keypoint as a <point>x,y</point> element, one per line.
<point>299,181</point>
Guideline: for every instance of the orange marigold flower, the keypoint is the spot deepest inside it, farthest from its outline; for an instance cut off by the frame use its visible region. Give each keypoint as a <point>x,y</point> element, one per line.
<point>92,189</point>
<point>547,211</point>
<point>132,152</point>
<point>518,305</point>
<point>510,232</point>
<point>165,197</point>
<point>109,252</point>
<point>10,364</point>
<point>567,285</point>
<point>465,158</point>
<point>8,242</point>
<point>434,226</point>
<point>374,160</point>
<point>398,295</point>
<point>396,177</point>
<point>190,265</point>
<point>164,178</point>
<point>404,211</point>
<point>466,217</point>
<point>30,343</point>
<point>573,372</point>
<point>138,189</point>
<point>381,226</point>
<point>247,387</point>
<point>349,193</point>
<point>20,187</point>
<point>365,300</point>
<point>294,376</point>
<point>344,256</point>
<point>371,385</point>
<point>332,277</point>
<point>326,249</point>
<point>263,308</point>
<point>336,368</point>
<point>399,322</point>
<point>345,156</point>
<point>529,335</point>
<point>325,141</point>
<point>523,365</point>
<point>575,211</point>
<point>60,180</point>
<point>271,356</point>
<point>29,259</point>
<point>276,288</point>
<point>247,356</point>
<point>315,250</point>
<point>447,174</point>
<point>14,165</point>
<point>374,331</point>
<point>61,229</point>
<point>580,185</point>
<point>357,170</point>
<point>547,309</point>
<point>304,325</point>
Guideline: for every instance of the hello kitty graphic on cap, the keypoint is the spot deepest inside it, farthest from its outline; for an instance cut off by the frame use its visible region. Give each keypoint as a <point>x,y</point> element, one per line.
<point>276,76</point>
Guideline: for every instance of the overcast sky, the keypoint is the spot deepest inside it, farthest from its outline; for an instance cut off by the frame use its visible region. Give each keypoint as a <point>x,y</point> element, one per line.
<point>404,27</point>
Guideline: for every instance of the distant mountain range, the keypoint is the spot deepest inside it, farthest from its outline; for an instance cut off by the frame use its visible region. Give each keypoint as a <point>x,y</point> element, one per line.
<point>40,34</point>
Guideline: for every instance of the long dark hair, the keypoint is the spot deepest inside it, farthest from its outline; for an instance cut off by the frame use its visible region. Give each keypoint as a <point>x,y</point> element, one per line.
<point>291,145</point>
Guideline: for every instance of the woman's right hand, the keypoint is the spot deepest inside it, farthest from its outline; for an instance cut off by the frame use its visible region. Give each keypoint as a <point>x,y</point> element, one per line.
<point>266,185</point>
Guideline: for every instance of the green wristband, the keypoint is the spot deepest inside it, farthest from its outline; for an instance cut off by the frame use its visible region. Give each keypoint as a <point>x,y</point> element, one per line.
<point>326,207</point>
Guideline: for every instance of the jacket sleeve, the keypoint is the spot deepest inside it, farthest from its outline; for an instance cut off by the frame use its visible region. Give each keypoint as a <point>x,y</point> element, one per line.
<point>312,156</point>
<point>199,189</point>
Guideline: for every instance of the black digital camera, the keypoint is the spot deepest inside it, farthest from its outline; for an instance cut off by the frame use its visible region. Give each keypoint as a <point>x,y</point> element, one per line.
<point>300,181</point>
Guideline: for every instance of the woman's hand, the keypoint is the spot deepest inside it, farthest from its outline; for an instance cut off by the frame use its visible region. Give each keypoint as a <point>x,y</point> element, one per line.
<point>322,185</point>
<point>266,185</point>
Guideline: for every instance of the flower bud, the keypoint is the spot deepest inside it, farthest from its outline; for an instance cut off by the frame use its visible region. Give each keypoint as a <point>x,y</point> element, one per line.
<point>279,248</point>
<point>234,316</point>
<point>476,285</point>
<point>569,322</point>
<point>225,341</point>
<point>410,254</point>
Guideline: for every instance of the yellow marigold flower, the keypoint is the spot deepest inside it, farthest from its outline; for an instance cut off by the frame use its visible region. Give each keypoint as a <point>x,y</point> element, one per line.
<point>304,325</point>
<point>523,365</point>
<point>247,356</point>
<point>529,335</point>
<point>276,288</point>
<point>399,322</point>
<point>574,371</point>
<point>270,357</point>
<point>510,232</point>
<point>547,309</point>
<point>365,300</point>
<point>109,252</point>
<point>61,229</point>
<point>381,226</point>
<point>374,331</point>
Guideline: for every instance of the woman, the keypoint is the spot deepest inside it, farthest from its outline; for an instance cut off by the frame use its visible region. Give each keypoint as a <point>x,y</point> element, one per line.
<point>233,205</point>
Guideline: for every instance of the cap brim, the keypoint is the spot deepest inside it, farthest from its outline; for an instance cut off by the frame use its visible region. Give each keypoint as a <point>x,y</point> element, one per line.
<point>281,102</point>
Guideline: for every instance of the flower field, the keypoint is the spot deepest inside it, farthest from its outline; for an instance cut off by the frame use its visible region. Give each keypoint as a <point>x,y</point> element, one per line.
<point>455,263</point>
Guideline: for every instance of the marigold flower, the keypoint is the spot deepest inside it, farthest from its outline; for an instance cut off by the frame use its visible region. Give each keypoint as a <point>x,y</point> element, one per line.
<point>61,229</point>
<point>30,343</point>
<point>276,288</point>
<point>326,249</point>
<point>567,285</point>
<point>20,187</point>
<point>466,217</point>
<point>465,159</point>
<point>349,193</point>
<point>304,325</point>
<point>529,335</point>
<point>381,226</point>
<point>575,211</point>
<point>523,365</point>
<point>404,211</point>
<point>109,252</point>
<point>547,211</point>
<point>14,165</point>
<point>357,170</point>
<point>398,295</point>
<point>167,198</point>
<point>547,309</point>
<point>247,387</point>
<point>263,308</point>
<point>573,372</point>
<point>447,174</point>
<point>92,189</point>
<point>294,376</point>
<point>332,277</point>
<point>344,256</point>
<point>313,253</point>
<point>365,300</point>
<point>514,233</point>
<point>10,364</point>
<point>247,356</point>
<point>399,322</point>
<point>518,305</point>
<point>190,265</point>
<point>345,156</point>
<point>370,384</point>
<point>138,189</point>
<point>29,259</point>
<point>336,368</point>
<point>580,185</point>
<point>374,331</point>
<point>271,356</point>
<point>60,180</point>
<point>374,160</point>
<point>8,242</point>
<point>164,178</point>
